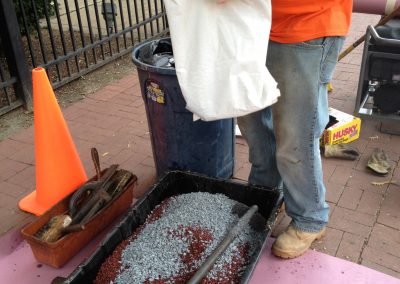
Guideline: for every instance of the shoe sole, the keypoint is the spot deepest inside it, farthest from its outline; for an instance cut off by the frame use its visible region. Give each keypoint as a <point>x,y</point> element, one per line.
<point>290,255</point>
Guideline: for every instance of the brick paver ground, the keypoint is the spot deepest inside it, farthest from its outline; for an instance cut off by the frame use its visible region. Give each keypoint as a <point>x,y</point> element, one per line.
<point>365,219</point>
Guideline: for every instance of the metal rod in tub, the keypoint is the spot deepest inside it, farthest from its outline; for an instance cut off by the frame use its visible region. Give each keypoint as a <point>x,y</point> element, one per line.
<point>208,264</point>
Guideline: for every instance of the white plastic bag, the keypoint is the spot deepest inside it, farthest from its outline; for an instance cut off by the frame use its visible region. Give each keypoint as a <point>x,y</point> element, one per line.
<point>220,53</point>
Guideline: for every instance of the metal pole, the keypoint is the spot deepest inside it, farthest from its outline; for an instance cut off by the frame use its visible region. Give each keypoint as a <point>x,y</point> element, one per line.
<point>208,264</point>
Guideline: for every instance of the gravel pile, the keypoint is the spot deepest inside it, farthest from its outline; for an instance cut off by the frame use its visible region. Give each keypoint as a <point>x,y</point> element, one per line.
<point>173,243</point>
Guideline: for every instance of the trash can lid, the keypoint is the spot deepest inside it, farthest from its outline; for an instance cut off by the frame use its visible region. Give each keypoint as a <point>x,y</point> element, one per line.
<point>155,56</point>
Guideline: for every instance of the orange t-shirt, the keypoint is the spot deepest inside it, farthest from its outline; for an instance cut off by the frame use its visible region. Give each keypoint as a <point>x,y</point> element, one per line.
<point>301,20</point>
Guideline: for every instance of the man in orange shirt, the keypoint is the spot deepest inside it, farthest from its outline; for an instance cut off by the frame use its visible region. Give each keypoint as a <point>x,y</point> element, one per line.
<point>306,38</point>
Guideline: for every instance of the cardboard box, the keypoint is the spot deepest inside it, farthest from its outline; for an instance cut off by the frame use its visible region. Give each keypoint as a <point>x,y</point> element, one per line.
<point>342,128</point>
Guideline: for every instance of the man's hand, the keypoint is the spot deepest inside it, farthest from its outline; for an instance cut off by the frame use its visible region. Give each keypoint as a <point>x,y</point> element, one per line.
<point>221,1</point>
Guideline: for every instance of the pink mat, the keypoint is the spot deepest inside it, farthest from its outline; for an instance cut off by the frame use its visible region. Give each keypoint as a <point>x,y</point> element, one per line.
<point>314,267</point>
<point>17,265</point>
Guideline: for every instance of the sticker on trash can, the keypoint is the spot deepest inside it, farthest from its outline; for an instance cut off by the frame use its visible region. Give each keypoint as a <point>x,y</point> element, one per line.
<point>154,92</point>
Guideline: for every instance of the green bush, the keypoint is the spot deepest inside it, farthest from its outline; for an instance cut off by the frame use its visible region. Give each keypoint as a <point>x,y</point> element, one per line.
<point>27,6</point>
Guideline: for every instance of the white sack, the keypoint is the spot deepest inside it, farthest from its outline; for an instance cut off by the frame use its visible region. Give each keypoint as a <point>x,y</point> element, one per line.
<point>220,53</point>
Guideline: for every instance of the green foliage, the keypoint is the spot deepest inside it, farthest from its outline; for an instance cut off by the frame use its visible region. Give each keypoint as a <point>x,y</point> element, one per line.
<point>29,7</point>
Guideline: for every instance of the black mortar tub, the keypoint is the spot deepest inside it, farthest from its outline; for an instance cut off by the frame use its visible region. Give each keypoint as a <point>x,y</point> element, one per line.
<point>174,183</point>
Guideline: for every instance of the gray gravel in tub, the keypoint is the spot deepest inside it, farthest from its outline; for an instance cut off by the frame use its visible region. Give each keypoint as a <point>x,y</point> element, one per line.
<point>157,253</point>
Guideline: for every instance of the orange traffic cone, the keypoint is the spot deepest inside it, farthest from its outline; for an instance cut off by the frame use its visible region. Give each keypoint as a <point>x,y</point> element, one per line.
<point>59,170</point>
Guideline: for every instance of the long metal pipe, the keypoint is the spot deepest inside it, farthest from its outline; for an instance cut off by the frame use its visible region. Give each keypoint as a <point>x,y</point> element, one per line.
<point>222,246</point>
<point>378,7</point>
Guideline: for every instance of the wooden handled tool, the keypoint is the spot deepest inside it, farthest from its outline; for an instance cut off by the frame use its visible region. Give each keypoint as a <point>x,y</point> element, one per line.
<point>98,191</point>
<point>382,21</point>
<point>92,197</point>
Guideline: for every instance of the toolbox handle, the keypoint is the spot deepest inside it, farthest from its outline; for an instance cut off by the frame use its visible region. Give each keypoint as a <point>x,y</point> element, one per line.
<point>380,40</point>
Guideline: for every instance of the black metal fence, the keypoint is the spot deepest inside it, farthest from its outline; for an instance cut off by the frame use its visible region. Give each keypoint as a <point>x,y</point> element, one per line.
<point>8,98</point>
<point>73,37</point>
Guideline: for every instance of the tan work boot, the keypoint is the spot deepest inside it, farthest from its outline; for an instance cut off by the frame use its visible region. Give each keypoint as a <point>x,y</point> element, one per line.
<point>293,243</point>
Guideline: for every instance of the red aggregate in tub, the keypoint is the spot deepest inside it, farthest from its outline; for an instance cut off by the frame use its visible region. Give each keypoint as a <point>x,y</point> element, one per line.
<point>172,236</point>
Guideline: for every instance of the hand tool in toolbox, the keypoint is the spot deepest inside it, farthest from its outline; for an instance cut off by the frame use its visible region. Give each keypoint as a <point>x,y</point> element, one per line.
<point>89,199</point>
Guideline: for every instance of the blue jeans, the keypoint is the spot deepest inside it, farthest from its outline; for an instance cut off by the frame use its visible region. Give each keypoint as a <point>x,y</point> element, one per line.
<point>284,139</point>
